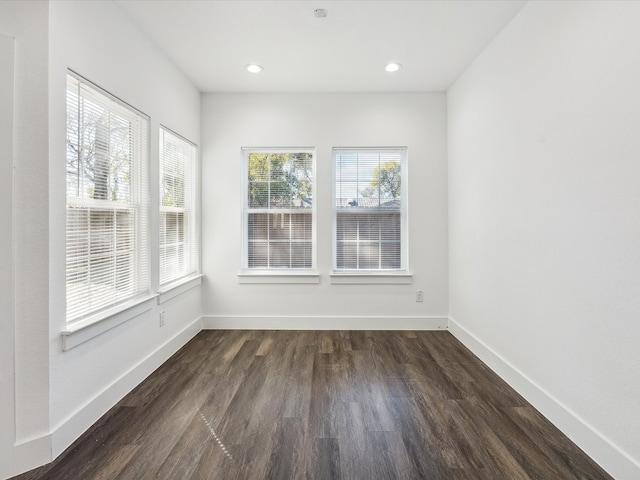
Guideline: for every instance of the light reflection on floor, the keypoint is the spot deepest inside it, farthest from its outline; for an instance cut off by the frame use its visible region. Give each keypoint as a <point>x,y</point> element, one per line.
<point>215,436</point>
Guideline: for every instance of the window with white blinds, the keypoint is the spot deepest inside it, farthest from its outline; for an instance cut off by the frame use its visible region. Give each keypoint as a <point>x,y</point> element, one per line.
<point>178,247</point>
<point>107,211</point>
<point>370,210</point>
<point>279,225</point>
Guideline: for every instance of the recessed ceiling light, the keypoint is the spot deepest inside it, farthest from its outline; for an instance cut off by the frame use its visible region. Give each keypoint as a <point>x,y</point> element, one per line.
<point>320,12</point>
<point>393,67</point>
<point>253,68</point>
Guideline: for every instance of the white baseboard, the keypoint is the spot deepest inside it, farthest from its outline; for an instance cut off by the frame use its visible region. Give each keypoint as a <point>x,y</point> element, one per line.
<point>242,322</point>
<point>28,455</point>
<point>593,443</point>
<point>75,425</point>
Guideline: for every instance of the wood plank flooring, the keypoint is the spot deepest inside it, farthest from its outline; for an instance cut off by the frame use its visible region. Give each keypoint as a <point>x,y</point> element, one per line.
<point>321,405</point>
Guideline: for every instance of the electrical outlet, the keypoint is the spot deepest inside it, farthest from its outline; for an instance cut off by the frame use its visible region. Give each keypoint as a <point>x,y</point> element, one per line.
<point>162,318</point>
<point>419,296</point>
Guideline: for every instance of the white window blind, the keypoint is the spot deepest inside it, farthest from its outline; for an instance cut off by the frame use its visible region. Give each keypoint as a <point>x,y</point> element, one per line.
<point>279,209</point>
<point>370,210</point>
<point>107,212</point>
<point>178,246</point>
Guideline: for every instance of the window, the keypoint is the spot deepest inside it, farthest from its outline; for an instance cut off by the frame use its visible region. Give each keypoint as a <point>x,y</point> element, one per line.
<point>278,209</point>
<point>370,210</point>
<point>178,246</point>
<point>106,228</point>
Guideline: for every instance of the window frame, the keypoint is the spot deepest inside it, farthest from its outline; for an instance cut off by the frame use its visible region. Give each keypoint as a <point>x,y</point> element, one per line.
<point>189,210</point>
<point>277,274</point>
<point>399,275</point>
<point>137,203</point>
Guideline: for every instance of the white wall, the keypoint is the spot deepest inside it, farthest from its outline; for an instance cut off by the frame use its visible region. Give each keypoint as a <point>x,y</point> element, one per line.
<point>24,407</point>
<point>58,394</point>
<point>7,326</point>
<point>232,121</point>
<point>544,175</point>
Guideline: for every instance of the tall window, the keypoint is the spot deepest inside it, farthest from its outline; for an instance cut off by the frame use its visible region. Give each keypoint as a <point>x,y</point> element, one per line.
<point>279,209</point>
<point>370,210</point>
<point>107,218</point>
<point>178,247</point>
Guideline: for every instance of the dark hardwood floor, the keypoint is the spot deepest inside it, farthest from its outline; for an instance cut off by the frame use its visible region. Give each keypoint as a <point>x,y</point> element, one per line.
<point>322,405</point>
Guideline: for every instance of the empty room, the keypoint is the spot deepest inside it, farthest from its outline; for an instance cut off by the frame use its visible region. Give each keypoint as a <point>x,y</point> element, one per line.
<point>342,239</point>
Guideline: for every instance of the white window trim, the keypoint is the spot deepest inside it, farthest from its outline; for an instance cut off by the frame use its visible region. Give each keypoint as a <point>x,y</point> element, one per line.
<point>79,332</point>
<point>178,287</point>
<point>277,275</point>
<point>89,327</point>
<point>369,277</point>
<point>286,277</point>
<point>377,277</point>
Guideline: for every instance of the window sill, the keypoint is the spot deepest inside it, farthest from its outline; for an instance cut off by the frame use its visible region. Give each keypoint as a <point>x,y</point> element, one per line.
<point>279,277</point>
<point>371,278</point>
<point>92,326</point>
<point>172,290</point>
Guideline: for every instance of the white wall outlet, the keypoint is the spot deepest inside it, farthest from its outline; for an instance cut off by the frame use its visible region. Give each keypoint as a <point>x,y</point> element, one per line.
<point>162,318</point>
<point>419,296</point>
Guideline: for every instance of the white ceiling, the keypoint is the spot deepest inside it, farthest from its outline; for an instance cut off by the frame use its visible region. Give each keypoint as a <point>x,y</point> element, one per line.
<point>211,41</point>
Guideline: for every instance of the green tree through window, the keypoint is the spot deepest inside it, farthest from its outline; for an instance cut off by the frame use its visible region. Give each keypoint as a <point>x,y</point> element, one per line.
<point>279,179</point>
